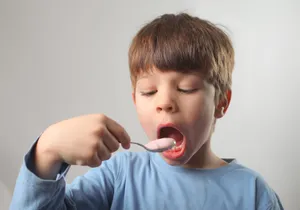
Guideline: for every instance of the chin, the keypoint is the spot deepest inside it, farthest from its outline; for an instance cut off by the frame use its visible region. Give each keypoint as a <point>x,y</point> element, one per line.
<point>181,156</point>
<point>176,157</point>
<point>173,162</point>
<point>176,162</point>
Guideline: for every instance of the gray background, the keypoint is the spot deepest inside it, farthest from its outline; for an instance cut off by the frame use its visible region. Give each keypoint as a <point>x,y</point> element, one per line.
<point>60,59</point>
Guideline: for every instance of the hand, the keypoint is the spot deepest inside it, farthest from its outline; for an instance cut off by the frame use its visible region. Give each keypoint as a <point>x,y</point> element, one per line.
<point>84,140</point>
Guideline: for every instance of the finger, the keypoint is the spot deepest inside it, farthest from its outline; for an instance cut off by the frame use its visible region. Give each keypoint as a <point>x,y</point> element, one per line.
<point>110,142</point>
<point>103,152</point>
<point>119,133</point>
<point>95,161</point>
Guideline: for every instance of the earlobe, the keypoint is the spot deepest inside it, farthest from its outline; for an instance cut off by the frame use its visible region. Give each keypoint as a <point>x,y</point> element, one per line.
<point>223,105</point>
<point>219,112</point>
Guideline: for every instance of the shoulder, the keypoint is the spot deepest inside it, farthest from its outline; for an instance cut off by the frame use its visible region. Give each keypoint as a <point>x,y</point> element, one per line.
<point>265,197</point>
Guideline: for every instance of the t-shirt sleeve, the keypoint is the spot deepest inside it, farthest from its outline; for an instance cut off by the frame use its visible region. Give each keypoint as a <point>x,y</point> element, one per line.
<point>93,190</point>
<point>266,197</point>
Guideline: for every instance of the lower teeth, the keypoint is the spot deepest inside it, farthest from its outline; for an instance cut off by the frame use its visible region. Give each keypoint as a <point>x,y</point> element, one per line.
<point>177,147</point>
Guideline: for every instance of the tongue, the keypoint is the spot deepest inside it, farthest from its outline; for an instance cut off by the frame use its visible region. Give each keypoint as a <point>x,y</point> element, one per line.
<point>172,133</point>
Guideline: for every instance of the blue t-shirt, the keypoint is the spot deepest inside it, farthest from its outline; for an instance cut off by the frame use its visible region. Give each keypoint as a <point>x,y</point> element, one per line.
<point>143,180</point>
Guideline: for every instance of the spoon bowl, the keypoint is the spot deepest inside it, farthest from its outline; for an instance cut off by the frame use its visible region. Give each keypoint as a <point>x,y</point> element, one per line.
<point>158,145</point>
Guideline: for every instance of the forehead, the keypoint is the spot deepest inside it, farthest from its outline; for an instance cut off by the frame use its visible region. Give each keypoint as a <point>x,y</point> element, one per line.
<point>155,73</point>
<point>171,77</point>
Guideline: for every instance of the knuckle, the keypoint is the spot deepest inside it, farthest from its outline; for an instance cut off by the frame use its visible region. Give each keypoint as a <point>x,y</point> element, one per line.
<point>100,131</point>
<point>102,117</point>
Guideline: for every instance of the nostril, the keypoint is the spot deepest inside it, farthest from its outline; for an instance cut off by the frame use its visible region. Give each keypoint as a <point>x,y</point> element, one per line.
<point>159,109</point>
<point>165,108</point>
<point>170,108</point>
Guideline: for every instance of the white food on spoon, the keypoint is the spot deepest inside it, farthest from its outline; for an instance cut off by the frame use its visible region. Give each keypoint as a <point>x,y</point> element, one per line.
<point>161,144</point>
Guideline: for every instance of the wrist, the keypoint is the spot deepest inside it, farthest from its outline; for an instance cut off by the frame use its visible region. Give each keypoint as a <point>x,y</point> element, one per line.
<point>47,160</point>
<point>46,155</point>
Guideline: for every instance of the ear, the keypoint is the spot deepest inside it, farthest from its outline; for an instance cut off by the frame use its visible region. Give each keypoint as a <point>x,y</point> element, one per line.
<point>223,105</point>
<point>133,97</point>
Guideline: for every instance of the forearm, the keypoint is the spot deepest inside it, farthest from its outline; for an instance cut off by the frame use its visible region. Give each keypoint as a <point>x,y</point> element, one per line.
<point>29,194</point>
<point>33,192</point>
<point>41,184</point>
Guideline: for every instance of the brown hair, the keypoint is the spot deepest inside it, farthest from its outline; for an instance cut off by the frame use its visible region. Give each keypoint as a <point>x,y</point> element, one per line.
<point>183,43</point>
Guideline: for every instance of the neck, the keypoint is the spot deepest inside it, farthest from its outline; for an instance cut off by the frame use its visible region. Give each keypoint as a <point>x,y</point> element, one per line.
<point>205,158</point>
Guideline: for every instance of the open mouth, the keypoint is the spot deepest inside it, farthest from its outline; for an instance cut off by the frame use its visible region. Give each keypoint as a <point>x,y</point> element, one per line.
<point>170,131</point>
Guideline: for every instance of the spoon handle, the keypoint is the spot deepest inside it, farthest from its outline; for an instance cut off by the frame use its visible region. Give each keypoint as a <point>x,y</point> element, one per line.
<point>158,147</point>
<point>136,143</point>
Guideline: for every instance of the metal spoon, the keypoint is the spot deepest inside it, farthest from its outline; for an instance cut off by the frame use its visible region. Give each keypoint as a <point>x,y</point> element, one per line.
<point>158,145</point>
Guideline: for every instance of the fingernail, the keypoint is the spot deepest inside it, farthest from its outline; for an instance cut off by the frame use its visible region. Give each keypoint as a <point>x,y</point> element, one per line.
<point>127,146</point>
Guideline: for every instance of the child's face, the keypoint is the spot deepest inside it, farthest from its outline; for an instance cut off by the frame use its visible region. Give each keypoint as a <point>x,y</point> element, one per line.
<point>171,99</point>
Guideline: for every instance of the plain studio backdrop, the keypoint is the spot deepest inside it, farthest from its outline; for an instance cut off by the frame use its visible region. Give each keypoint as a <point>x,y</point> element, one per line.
<point>60,59</point>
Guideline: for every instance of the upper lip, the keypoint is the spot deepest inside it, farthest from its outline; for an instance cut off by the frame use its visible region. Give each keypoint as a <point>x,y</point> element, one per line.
<point>169,124</point>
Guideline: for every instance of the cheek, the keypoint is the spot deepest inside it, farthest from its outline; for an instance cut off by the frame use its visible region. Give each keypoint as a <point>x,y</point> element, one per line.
<point>143,110</point>
<point>148,128</point>
<point>146,119</point>
<point>199,109</point>
<point>200,118</point>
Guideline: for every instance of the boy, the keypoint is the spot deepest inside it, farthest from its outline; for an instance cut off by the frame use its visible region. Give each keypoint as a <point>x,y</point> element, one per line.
<point>181,69</point>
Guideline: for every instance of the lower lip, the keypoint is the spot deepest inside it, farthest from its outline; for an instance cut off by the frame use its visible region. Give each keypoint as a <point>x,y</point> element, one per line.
<point>177,153</point>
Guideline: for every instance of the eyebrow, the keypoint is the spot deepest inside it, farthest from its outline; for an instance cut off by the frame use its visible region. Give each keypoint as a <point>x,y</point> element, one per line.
<point>145,75</point>
<point>142,77</point>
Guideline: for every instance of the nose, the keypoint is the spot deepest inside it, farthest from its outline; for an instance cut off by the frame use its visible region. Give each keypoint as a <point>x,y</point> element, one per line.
<point>166,103</point>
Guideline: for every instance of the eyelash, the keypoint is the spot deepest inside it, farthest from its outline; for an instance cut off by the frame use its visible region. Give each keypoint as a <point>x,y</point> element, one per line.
<point>148,93</point>
<point>180,90</point>
<point>188,91</point>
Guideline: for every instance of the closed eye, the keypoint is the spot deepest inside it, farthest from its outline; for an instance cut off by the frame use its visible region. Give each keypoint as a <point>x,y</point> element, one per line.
<point>150,93</point>
<point>188,90</point>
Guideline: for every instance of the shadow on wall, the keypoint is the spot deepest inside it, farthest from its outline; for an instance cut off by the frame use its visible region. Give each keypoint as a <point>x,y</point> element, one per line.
<point>5,196</point>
